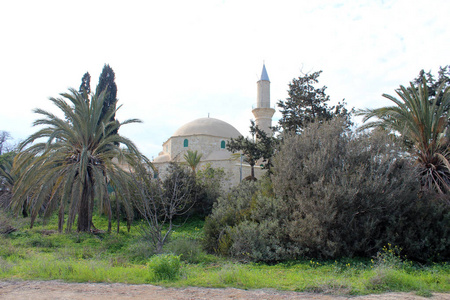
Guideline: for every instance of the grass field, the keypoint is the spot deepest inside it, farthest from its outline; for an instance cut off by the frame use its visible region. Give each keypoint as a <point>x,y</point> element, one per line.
<point>41,253</point>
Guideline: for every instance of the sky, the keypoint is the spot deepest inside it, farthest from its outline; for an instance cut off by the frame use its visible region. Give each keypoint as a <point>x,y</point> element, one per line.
<point>176,61</point>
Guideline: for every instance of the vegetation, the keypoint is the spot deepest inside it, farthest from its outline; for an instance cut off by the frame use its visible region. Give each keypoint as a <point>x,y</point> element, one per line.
<point>160,202</point>
<point>260,146</point>
<point>339,211</point>
<point>107,84</point>
<point>76,163</point>
<point>335,194</point>
<point>5,147</point>
<point>422,121</point>
<point>43,254</point>
<point>307,104</point>
<point>192,158</point>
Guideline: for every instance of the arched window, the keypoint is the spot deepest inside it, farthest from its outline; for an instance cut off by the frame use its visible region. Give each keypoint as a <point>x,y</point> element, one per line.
<point>222,144</point>
<point>186,143</point>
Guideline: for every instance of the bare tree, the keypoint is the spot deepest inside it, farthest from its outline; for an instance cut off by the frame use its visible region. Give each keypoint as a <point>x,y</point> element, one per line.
<point>159,202</point>
<point>4,145</point>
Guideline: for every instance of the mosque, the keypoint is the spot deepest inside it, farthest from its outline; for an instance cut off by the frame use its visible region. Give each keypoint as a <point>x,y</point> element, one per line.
<point>208,136</point>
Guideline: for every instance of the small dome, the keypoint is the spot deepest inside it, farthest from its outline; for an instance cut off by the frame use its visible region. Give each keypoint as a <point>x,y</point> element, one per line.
<point>208,126</point>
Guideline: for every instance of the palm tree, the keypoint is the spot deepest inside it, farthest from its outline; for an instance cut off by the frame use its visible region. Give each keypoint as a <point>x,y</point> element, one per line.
<point>423,122</point>
<point>73,161</point>
<point>193,159</point>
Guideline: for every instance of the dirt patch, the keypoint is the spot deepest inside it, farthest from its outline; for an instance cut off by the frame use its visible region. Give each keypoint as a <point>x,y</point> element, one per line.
<point>98,291</point>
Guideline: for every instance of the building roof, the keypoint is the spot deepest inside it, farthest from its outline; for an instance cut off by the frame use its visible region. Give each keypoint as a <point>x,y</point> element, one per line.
<point>264,75</point>
<point>208,126</point>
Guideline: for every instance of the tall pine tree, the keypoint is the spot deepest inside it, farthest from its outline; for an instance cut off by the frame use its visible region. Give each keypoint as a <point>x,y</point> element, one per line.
<point>106,81</point>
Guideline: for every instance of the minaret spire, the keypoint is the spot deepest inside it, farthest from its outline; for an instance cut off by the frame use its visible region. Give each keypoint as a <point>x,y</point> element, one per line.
<point>263,112</point>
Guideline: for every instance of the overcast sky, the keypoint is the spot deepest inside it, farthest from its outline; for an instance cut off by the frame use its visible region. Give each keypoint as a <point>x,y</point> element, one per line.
<point>176,61</point>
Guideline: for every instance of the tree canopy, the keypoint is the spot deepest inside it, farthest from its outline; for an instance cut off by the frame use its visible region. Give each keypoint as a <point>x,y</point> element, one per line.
<point>70,162</point>
<point>307,104</point>
<point>107,83</point>
<point>422,120</point>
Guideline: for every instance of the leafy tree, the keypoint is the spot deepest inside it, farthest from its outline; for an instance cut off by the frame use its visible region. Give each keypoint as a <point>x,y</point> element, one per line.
<point>307,104</point>
<point>159,202</point>
<point>193,159</point>
<point>74,164</point>
<point>423,122</point>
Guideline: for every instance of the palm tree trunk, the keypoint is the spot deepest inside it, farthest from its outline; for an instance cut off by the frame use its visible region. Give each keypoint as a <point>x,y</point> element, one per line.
<point>83,212</point>
<point>61,218</point>
<point>117,214</point>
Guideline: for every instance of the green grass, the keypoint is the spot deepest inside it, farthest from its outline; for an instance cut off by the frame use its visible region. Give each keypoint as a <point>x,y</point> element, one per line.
<point>42,254</point>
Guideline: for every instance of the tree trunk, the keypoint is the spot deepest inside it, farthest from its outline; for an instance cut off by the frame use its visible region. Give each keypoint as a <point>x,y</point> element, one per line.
<point>253,171</point>
<point>61,218</point>
<point>84,223</point>
<point>117,214</point>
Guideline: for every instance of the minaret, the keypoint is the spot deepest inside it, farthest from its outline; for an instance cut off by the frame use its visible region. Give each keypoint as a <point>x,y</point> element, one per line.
<point>263,112</point>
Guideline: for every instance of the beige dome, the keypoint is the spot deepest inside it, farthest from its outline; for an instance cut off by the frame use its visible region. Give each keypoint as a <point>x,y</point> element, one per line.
<point>208,126</point>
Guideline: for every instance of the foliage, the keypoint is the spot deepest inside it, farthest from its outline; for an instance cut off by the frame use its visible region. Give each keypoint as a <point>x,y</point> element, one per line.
<point>307,104</point>
<point>422,121</point>
<point>248,225</point>
<point>189,250</point>
<point>80,257</point>
<point>434,85</point>
<point>259,146</point>
<point>209,187</point>
<point>350,194</point>
<point>160,202</point>
<point>165,266</point>
<point>193,159</point>
<point>85,86</point>
<point>107,84</point>
<point>7,179</point>
<point>74,166</point>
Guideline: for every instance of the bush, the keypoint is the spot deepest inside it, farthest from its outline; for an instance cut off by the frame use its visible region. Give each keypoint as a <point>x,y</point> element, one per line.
<point>188,250</point>
<point>335,194</point>
<point>351,194</point>
<point>248,225</point>
<point>208,188</point>
<point>165,266</point>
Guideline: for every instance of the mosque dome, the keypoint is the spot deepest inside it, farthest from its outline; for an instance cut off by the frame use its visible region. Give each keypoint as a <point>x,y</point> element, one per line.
<point>208,126</point>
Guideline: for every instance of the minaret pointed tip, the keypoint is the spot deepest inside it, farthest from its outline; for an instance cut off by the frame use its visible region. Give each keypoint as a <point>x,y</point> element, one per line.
<point>264,75</point>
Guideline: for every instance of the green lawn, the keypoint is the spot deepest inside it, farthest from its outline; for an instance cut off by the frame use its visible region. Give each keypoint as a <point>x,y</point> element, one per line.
<point>42,254</point>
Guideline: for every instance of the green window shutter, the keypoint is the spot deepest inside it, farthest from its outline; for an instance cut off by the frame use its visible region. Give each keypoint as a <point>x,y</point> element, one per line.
<point>222,144</point>
<point>186,143</point>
